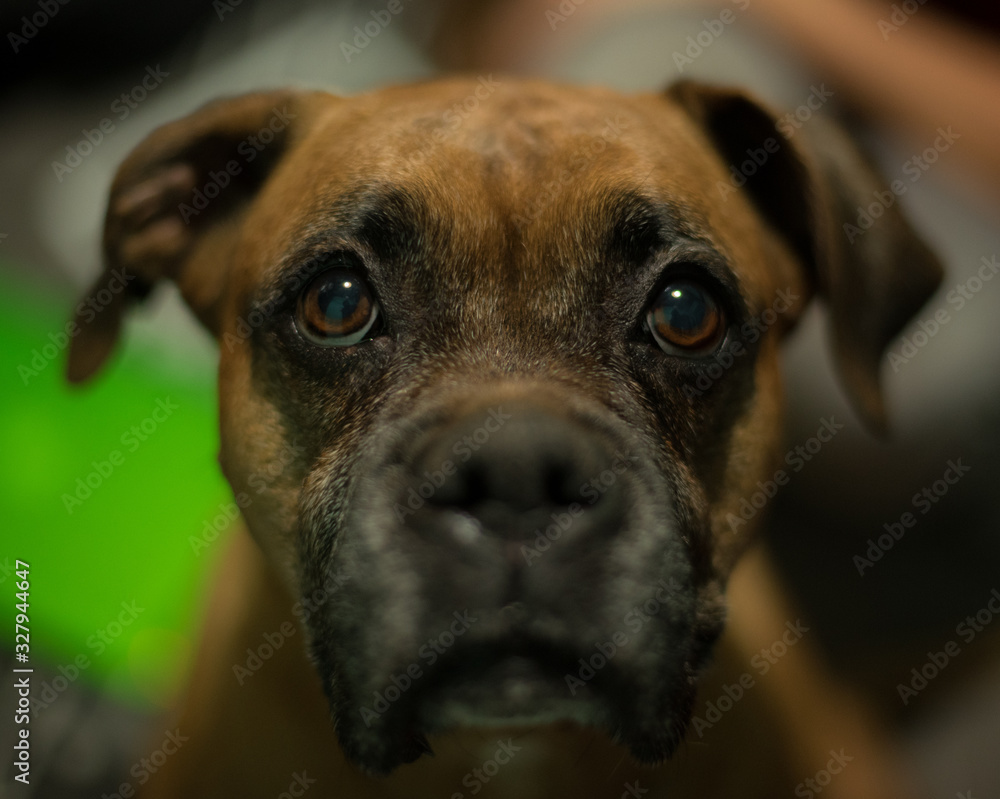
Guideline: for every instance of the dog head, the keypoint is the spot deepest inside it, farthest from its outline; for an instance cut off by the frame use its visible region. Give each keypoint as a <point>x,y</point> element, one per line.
<point>507,356</point>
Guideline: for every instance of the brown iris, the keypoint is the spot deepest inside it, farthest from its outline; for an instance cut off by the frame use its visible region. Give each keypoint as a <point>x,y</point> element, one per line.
<point>336,309</point>
<point>685,318</point>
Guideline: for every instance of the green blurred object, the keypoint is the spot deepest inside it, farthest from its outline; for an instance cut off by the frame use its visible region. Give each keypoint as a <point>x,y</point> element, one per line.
<point>102,488</point>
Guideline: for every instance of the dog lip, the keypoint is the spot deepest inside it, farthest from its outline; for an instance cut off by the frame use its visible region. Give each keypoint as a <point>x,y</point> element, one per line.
<point>514,680</point>
<point>517,679</point>
<point>511,677</point>
<point>466,660</point>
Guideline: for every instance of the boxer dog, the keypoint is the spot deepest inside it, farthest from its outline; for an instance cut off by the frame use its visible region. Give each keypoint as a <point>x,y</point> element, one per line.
<point>507,355</point>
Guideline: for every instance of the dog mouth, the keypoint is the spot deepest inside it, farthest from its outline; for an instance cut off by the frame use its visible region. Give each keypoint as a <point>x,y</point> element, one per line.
<point>514,683</point>
<point>579,607</point>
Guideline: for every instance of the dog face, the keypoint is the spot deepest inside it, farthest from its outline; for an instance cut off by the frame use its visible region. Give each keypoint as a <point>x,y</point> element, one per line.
<point>508,373</point>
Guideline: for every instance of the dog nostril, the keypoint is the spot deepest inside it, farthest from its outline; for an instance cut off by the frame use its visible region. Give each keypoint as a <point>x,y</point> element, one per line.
<point>532,464</point>
<point>560,487</point>
<point>465,490</point>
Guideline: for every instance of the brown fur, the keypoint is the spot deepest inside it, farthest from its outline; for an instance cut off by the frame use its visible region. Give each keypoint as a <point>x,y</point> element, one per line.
<point>466,219</point>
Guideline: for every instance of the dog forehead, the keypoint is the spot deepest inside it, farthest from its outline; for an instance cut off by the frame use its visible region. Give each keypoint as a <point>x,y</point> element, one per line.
<point>519,120</point>
<point>506,140</point>
<point>521,171</point>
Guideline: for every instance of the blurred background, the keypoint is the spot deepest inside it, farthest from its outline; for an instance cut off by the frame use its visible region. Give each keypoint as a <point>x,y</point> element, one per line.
<point>121,553</point>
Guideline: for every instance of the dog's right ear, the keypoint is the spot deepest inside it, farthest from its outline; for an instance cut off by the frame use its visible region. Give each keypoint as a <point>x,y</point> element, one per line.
<point>809,193</point>
<point>172,212</point>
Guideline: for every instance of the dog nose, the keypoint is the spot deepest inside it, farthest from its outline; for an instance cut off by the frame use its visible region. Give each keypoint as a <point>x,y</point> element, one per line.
<point>511,468</point>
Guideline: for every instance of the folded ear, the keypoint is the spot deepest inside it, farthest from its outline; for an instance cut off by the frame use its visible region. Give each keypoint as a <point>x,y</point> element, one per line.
<point>171,211</point>
<point>809,191</point>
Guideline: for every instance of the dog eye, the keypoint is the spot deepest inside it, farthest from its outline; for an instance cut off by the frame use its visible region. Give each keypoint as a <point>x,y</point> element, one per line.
<point>336,309</point>
<point>685,319</point>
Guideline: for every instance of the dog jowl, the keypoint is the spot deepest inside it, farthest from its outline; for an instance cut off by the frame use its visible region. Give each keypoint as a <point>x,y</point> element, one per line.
<point>467,365</point>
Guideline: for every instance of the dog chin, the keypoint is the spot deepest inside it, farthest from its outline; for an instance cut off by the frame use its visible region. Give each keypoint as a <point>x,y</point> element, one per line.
<point>514,690</point>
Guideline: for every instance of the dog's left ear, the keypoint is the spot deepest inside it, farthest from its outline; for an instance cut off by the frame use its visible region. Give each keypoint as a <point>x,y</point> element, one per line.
<point>175,208</point>
<point>809,191</point>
